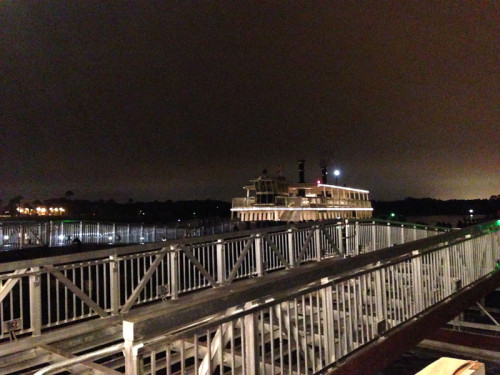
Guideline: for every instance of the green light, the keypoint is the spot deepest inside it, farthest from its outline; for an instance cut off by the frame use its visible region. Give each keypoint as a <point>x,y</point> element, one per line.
<point>393,214</point>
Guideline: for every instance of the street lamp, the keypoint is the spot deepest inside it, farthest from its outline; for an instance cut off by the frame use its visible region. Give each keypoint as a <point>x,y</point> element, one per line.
<point>336,173</point>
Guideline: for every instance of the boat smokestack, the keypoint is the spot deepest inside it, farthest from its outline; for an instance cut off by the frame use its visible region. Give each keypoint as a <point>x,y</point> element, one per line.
<point>324,173</point>
<point>302,178</point>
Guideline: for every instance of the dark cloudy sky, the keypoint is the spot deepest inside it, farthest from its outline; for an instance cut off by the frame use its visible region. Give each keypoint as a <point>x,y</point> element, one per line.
<point>190,99</point>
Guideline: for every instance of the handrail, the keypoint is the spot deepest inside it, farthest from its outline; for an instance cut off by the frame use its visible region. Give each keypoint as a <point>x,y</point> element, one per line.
<point>82,358</point>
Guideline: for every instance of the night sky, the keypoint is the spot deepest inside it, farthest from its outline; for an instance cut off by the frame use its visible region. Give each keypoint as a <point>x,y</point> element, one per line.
<point>190,99</point>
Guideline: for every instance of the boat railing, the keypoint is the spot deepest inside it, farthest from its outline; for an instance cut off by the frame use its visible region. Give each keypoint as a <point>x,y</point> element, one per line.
<point>302,202</point>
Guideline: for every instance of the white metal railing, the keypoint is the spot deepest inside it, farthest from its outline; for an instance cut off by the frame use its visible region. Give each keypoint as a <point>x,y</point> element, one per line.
<point>305,202</point>
<point>299,327</point>
<point>20,235</point>
<point>303,331</point>
<point>38,294</point>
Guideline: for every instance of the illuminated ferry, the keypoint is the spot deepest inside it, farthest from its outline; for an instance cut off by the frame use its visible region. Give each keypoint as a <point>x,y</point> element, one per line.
<point>273,198</point>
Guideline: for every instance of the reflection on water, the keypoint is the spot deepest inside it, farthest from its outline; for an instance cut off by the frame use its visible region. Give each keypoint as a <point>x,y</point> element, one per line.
<point>412,362</point>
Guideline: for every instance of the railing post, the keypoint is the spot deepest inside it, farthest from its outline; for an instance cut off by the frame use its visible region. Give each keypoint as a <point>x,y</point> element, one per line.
<point>346,239</point>
<point>133,361</point>
<point>251,344</point>
<point>81,231</point>
<point>221,262</point>
<point>174,274</point>
<point>51,231</point>
<point>21,236</point>
<point>98,232</point>
<point>416,266</point>
<point>341,240</point>
<point>115,284</point>
<point>291,246</point>
<point>317,242</point>
<point>374,236</point>
<point>402,233</point>
<point>381,302</point>
<point>35,302</point>
<point>128,234</point>
<point>447,271</point>
<point>356,237</point>
<point>114,233</point>
<point>326,295</point>
<point>259,256</point>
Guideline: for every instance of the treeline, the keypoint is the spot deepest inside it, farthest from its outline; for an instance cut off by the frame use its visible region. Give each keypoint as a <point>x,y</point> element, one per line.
<point>429,206</point>
<point>147,212</point>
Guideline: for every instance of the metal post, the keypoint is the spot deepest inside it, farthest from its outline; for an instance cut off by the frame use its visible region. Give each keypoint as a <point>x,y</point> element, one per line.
<point>21,236</point>
<point>221,262</point>
<point>347,238</point>
<point>115,284</point>
<point>133,361</point>
<point>388,235</point>
<point>128,234</point>
<point>81,231</point>
<point>51,231</point>
<point>374,236</point>
<point>328,321</point>
<point>174,279</point>
<point>114,233</point>
<point>416,266</point>
<point>98,232</point>
<point>251,344</point>
<point>317,242</point>
<point>259,256</point>
<point>356,238</point>
<point>341,242</point>
<point>291,246</point>
<point>447,272</point>
<point>35,302</point>
<point>380,302</point>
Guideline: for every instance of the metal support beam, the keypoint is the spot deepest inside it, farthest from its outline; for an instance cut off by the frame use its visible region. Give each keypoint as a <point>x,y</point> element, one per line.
<point>251,344</point>
<point>238,263</point>
<point>114,277</point>
<point>145,279</point>
<point>35,302</point>
<point>10,283</point>
<point>303,249</point>
<point>488,314</point>
<point>221,262</point>
<point>276,251</point>
<point>77,291</point>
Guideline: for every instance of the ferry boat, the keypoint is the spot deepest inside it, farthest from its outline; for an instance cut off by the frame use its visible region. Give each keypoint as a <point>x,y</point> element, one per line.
<point>273,198</point>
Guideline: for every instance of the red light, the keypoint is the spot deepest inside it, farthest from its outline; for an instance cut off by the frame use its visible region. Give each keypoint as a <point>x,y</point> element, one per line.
<point>318,182</point>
